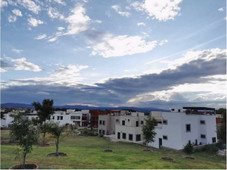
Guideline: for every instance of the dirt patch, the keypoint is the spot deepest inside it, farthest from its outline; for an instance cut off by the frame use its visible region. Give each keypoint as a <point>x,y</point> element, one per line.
<point>60,154</point>
<point>27,166</point>
<point>190,157</point>
<point>108,150</point>
<point>147,150</point>
<point>167,159</point>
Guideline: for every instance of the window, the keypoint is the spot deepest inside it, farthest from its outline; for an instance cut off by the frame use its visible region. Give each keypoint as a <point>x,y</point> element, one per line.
<point>203,136</point>
<point>188,128</point>
<point>214,140</point>
<point>103,122</point>
<point>165,122</point>
<point>137,123</point>
<point>128,120</point>
<point>119,135</point>
<point>103,132</point>
<point>172,110</point>
<point>123,135</point>
<point>141,122</point>
<point>178,110</point>
<point>53,117</point>
<point>123,122</point>
<point>165,137</point>
<point>75,117</point>
<point>100,122</point>
<point>100,132</point>
<point>130,137</point>
<point>189,142</point>
<point>138,137</point>
<point>60,118</point>
<point>202,122</point>
<point>117,120</point>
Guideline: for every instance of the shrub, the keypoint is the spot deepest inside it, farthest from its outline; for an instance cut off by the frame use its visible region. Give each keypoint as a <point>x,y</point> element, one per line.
<point>88,132</point>
<point>188,149</point>
<point>211,148</point>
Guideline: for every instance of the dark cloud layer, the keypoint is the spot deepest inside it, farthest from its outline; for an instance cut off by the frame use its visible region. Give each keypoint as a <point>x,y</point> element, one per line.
<point>119,91</point>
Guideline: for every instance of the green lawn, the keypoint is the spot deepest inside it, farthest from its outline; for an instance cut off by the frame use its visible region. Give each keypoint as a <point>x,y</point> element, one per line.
<point>87,152</point>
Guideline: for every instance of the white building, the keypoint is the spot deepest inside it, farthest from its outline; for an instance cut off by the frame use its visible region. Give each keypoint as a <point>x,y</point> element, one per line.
<point>195,125</point>
<point>123,126</point>
<point>70,116</point>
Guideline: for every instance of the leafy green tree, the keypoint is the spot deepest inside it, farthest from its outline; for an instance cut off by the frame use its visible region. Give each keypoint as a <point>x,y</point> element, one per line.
<point>148,130</point>
<point>56,131</point>
<point>44,128</point>
<point>44,111</point>
<point>222,129</point>
<point>24,132</point>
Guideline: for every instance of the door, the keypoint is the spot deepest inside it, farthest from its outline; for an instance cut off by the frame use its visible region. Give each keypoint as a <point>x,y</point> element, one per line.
<point>160,142</point>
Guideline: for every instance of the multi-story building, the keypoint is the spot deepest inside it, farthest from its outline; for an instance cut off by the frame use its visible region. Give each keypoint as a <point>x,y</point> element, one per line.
<point>122,125</point>
<point>70,116</point>
<point>195,125</point>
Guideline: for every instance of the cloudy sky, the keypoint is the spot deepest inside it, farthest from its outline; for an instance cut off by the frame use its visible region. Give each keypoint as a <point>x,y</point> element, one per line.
<point>147,53</point>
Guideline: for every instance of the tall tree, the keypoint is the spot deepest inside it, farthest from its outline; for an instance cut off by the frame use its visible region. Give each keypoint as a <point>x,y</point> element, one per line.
<point>148,130</point>
<point>23,131</point>
<point>44,111</point>
<point>56,131</point>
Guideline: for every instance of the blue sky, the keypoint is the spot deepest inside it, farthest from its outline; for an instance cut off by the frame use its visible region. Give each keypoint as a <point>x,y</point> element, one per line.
<point>150,53</point>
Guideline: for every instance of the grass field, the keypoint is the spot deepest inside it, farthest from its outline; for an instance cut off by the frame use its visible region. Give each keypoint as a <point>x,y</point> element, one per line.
<point>88,152</point>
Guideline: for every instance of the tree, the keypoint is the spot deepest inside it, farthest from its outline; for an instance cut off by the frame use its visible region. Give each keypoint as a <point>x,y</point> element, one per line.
<point>222,129</point>
<point>44,128</point>
<point>56,131</point>
<point>25,133</point>
<point>44,111</point>
<point>148,129</point>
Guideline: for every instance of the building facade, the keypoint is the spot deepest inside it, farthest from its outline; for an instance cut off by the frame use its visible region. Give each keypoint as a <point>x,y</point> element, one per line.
<point>179,127</point>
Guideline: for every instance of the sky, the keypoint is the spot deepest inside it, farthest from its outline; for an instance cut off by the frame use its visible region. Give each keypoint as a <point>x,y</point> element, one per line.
<point>147,53</point>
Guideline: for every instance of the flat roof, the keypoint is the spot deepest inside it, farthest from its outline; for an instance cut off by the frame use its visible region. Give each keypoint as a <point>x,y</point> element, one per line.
<point>199,108</point>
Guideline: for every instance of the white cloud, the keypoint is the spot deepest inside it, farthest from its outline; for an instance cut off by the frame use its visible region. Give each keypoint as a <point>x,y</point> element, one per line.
<point>41,36</point>
<point>60,2</point>
<point>3,4</point>
<point>161,10</point>
<point>53,13</point>
<point>16,50</point>
<point>122,45</point>
<point>161,43</point>
<point>78,21</point>
<point>22,64</point>
<point>141,24</point>
<point>220,9</point>
<point>30,5</point>
<point>52,39</point>
<point>117,9</point>
<point>34,22</point>
<point>98,21</point>
<point>12,18</point>
<point>60,28</point>
<point>17,12</point>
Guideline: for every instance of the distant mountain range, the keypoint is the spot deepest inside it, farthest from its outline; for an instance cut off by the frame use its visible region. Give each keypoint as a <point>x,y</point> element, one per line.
<point>83,107</point>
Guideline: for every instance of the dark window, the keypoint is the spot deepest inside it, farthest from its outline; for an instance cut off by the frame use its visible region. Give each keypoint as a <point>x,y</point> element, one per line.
<point>130,137</point>
<point>138,137</point>
<point>141,122</point>
<point>123,122</point>
<point>100,132</point>
<point>214,140</point>
<point>203,136</point>
<point>103,122</point>
<point>75,117</point>
<point>172,110</point>
<point>103,132</point>
<point>165,137</point>
<point>100,122</point>
<point>202,121</point>
<point>61,117</point>
<point>53,117</point>
<point>165,122</point>
<point>117,120</point>
<point>123,135</point>
<point>178,110</point>
<point>188,128</point>
<point>137,123</point>
<point>119,135</point>
<point>58,117</point>
<point>189,142</point>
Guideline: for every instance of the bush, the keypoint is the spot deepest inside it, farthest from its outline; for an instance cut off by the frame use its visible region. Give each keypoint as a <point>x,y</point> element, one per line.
<point>88,132</point>
<point>220,144</point>
<point>211,148</point>
<point>188,149</point>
